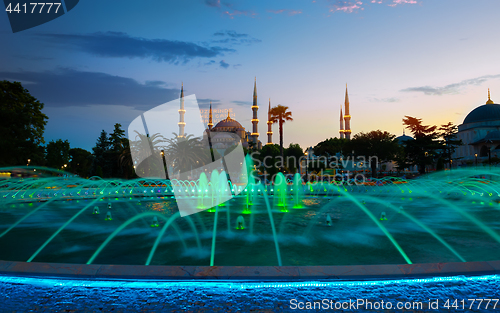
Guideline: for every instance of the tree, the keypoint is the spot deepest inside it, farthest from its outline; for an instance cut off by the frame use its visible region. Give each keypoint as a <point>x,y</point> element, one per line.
<point>22,127</point>
<point>80,163</point>
<point>330,147</point>
<point>268,156</point>
<point>145,151</point>
<point>448,133</point>
<point>58,154</point>
<point>117,142</point>
<point>292,156</point>
<point>125,160</point>
<point>376,146</point>
<point>423,150</point>
<point>186,153</point>
<point>100,152</point>
<point>280,114</point>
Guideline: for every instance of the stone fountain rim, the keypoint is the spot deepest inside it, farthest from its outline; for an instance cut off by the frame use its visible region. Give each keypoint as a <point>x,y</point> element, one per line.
<point>248,273</point>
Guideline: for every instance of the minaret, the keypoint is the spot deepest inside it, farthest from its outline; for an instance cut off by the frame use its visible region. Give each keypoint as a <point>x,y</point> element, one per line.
<point>210,123</point>
<point>347,117</point>
<point>255,119</point>
<point>182,111</point>
<point>269,125</point>
<point>341,131</point>
<point>489,99</point>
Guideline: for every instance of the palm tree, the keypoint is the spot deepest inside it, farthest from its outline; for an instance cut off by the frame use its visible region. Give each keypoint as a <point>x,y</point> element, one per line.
<point>144,149</point>
<point>125,159</point>
<point>186,153</point>
<point>279,114</point>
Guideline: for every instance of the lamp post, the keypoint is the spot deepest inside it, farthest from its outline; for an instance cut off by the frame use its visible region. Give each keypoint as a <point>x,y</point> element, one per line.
<point>475,155</point>
<point>29,160</point>
<point>307,159</point>
<point>162,153</point>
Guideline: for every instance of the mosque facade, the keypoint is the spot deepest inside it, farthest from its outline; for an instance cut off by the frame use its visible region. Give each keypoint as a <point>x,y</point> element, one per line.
<point>480,134</point>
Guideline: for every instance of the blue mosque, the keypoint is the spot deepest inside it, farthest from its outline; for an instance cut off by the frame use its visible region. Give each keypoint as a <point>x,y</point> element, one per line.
<point>480,134</point>
<point>229,131</point>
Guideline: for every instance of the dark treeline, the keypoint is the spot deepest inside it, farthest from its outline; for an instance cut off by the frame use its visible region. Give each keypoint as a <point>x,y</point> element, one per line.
<point>22,143</point>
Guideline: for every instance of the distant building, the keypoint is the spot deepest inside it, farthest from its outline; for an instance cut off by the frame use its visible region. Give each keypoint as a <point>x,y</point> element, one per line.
<point>391,166</point>
<point>480,133</point>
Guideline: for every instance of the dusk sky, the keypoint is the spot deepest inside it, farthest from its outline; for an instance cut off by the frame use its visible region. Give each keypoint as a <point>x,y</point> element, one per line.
<point>106,62</point>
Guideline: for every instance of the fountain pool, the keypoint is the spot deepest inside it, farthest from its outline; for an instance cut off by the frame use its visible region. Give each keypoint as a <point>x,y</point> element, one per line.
<point>446,217</point>
<point>73,244</point>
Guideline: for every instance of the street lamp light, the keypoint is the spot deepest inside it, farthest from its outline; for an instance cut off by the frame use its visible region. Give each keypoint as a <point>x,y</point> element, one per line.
<point>425,165</point>
<point>29,160</point>
<point>476,158</point>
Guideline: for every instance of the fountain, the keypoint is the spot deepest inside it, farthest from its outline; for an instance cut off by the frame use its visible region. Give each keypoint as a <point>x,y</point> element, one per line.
<point>383,217</point>
<point>290,222</point>
<point>328,220</point>
<point>108,217</point>
<point>448,217</point>
<point>240,222</point>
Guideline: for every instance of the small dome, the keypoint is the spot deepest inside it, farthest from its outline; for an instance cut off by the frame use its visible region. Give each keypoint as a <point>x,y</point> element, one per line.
<point>404,138</point>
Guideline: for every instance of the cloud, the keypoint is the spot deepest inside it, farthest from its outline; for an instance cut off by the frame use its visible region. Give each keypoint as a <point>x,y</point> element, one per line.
<point>213,3</point>
<point>396,2</point>
<point>227,8</point>
<point>352,6</point>
<point>121,45</point>
<point>451,88</point>
<point>287,11</point>
<point>205,103</point>
<point>346,6</point>
<point>230,33</point>
<point>391,100</point>
<point>223,64</point>
<point>242,103</point>
<point>233,13</point>
<point>236,66</point>
<point>231,37</point>
<point>69,87</point>
<point>33,57</point>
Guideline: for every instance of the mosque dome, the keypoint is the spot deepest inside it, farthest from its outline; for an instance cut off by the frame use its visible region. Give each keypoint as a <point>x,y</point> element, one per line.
<point>486,112</point>
<point>228,122</point>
